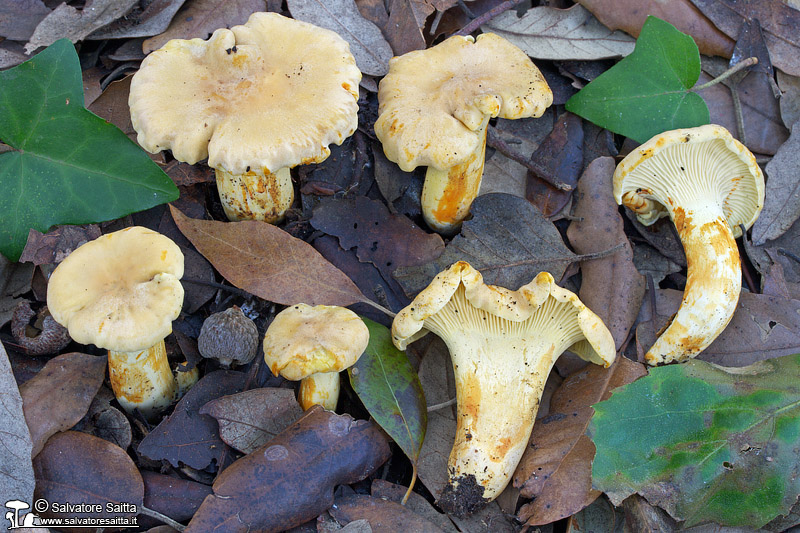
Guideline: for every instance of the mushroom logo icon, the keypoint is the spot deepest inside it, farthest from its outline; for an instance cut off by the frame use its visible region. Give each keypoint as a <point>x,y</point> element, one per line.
<point>29,520</point>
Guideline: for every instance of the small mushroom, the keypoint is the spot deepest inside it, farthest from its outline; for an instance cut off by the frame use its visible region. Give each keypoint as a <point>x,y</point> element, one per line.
<point>314,344</point>
<point>229,337</point>
<point>503,344</point>
<point>709,184</point>
<point>121,292</point>
<point>435,105</point>
<point>256,99</point>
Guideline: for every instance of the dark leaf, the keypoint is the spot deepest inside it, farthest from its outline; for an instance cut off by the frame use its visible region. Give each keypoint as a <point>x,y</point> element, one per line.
<point>174,497</point>
<point>291,479</point>
<point>383,516</point>
<point>60,394</point>
<point>186,436</point>
<point>55,245</point>
<point>154,19</point>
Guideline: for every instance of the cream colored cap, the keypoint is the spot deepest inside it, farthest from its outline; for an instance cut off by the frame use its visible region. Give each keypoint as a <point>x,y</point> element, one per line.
<point>687,164</point>
<point>433,101</point>
<point>270,94</point>
<point>120,291</point>
<point>303,340</point>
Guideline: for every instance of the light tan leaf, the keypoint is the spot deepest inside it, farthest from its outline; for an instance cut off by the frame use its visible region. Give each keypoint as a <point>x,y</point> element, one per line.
<point>16,469</point>
<point>74,24</point>
<point>782,195</point>
<point>268,262</point>
<point>550,33</point>
<point>367,43</point>
<point>790,98</point>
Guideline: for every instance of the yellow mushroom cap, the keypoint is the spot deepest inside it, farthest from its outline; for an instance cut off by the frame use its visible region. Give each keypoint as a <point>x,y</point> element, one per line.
<point>680,166</point>
<point>270,94</point>
<point>573,320</point>
<point>433,101</point>
<point>120,291</point>
<point>304,340</point>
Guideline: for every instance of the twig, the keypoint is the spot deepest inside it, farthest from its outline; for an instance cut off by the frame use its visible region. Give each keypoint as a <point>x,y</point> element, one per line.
<point>162,518</point>
<point>436,20</point>
<point>234,290</point>
<point>410,485</point>
<point>494,140</point>
<point>377,306</point>
<point>600,255</point>
<point>437,406</point>
<point>486,17</point>
<point>744,63</point>
<point>787,253</point>
<point>748,277</point>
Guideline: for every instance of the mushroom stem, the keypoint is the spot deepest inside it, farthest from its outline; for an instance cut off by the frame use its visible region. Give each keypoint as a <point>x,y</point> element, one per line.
<point>498,389</point>
<point>448,194</point>
<point>142,379</point>
<point>713,283</point>
<point>256,194</point>
<point>321,388</point>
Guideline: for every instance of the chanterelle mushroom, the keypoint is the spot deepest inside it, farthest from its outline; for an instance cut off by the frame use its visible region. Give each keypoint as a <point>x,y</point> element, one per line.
<point>708,183</point>
<point>314,344</point>
<point>121,292</point>
<point>256,100</point>
<point>435,105</point>
<point>503,344</point>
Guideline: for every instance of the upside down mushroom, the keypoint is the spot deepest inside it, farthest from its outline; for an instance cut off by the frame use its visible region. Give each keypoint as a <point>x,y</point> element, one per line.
<point>256,100</point>
<point>121,292</point>
<point>709,184</point>
<point>503,344</point>
<point>435,106</point>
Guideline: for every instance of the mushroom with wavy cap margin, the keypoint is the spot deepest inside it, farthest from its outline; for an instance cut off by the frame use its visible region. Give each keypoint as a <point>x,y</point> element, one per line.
<point>256,100</point>
<point>435,105</point>
<point>709,184</point>
<point>503,344</point>
<point>121,292</point>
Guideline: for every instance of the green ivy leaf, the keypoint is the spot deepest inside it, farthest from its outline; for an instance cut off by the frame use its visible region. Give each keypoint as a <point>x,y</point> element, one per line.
<point>648,92</point>
<point>390,390</point>
<point>66,165</point>
<point>704,442</point>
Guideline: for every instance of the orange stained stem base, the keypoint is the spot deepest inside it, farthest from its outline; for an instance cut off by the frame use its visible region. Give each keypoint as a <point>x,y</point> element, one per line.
<point>142,380</point>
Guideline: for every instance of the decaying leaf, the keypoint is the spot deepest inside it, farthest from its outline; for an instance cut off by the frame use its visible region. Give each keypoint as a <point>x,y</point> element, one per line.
<point>105,421</point>
<point>174,497</point>
<point>74,24</point>
<point>382,515</point>
<point>508,240</point>
<point>290,479</point>
<point>782,193</point>
<point>60,394</point>
<point>79,468</point>
<point>200,18</point>
<point>389,491</point>
<point>55,245</point>
<point>370,49</point>
<point>249,419</point>
<point>629,16</point>
<point>387,241</point>
<point>16,471</point>
<point>19,18</point>
<point>268,262</point>
<point>610,286</point>
<point>556,467</point>
<point>15,279</point>
<point>790,98</point>
<point>186,436</point>
<point>550,33</point>
<point>762,327</point>
<point>151,20</point>
<point>704,442</point>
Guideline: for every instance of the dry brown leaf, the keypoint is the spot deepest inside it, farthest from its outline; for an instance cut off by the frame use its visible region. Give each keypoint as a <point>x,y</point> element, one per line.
<point>404,30</point>
<point>782,194</point>
<point>790,98</point>
<point>291,478</point>
<point>112,105</point>
<point>549,33</point>
<point>154,19</point>
<point>610,286</point>
<point>19,18</point>
<point>55,245</point>
<point>370,49</point>
<point>68,22</point>
<point>249,419</point>
<point>60,394</point>
<point>629,16</point>
<point>416,502</point>
<point>556,468</point>
<point>200,18</point>
<point>383,516</point>
<point>16,471</point>
<point>268,262</point>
